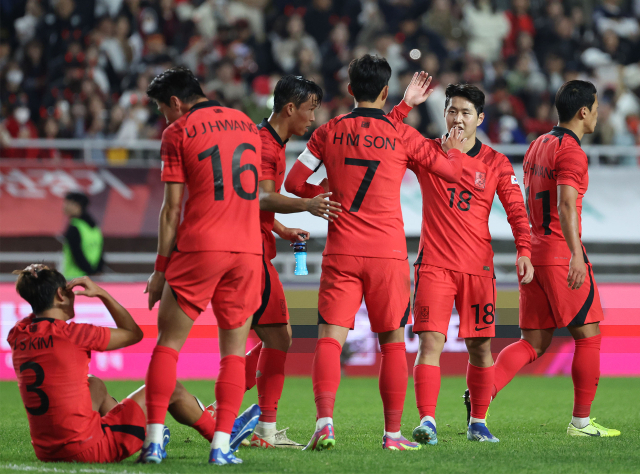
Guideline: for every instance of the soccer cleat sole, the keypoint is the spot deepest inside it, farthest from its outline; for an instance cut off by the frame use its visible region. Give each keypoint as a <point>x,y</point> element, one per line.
<point>425,435</point>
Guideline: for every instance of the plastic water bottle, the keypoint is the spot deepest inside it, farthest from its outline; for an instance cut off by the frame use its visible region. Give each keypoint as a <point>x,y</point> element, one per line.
<point>300,253</point>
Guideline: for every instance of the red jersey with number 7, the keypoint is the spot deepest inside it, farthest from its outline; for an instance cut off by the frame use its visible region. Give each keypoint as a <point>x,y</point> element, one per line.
<point>551,160</point>
<point>366,154</point>
<point>51,360</point>
<point>216,152</point>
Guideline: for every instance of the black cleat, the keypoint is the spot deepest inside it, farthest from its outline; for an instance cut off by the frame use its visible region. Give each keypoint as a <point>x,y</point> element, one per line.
<point>467,403</point>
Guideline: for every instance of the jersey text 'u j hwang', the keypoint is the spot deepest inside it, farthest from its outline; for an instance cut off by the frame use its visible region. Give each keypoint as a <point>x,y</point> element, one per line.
<point>366,154</point>
<point>553,159</point>
<point>216,152</point>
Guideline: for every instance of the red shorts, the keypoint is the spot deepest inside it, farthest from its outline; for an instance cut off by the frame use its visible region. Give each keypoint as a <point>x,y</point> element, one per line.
<point>547,302</point>
<point>438,288</point>
<point>273,309</point>
<point>384,283</point>
<point>229,280</point>
<point>124,431</point>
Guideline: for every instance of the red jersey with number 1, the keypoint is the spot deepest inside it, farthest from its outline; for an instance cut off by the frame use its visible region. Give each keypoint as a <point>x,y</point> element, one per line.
<point>216,152</point>
<point>366,154</point>
<point>274,164</point>
<point>455,218</point>
<point>51,360</point>
<point>551,160</point>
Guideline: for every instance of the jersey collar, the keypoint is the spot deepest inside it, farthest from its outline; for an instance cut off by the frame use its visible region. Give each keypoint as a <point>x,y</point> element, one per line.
<point>475,149</point>
<point>37,320</point>
<point>205,104</point>
<point>265,124</point>
<point>559,131</point>
<point>368,112</point>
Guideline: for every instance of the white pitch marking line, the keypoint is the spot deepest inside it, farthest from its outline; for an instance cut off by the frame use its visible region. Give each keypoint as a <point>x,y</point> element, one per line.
<point>26,468</point>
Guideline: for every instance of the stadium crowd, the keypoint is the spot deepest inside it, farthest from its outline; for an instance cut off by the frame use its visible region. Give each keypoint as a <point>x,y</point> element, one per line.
<point>80,68</point>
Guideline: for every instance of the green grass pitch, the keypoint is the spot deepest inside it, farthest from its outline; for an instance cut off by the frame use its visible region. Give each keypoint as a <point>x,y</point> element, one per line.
<point>530,417</point>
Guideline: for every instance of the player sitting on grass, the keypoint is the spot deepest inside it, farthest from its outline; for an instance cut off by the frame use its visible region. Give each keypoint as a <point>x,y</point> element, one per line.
<point>366,155</point>
<point>563,292</point>
<point>71,416</point>
<point>455,264</point>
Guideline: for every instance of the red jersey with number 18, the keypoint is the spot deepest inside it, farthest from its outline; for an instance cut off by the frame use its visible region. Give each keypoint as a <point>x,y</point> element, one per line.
<point>216,152</point>
<point>551,160</point>
<point>51,360</point>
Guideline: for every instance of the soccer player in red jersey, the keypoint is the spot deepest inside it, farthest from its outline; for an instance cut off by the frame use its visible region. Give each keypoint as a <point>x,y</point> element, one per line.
<point>213,255</point>
<point>455,264</point>
<point>366,154</point>
<point>71,416</point>
<point>563,292</point>
<point>295,100</point>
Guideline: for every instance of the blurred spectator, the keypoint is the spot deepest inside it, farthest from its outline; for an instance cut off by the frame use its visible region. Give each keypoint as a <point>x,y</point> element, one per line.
<point>486,29</point>
<point>520,22</point>
<point>611,16</point>
<point>285,49</point>
<point>18,125</point>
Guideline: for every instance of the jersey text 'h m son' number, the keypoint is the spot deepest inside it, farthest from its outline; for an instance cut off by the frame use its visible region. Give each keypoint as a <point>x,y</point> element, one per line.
<point>33,387</point>
<point>237,170</point>
<point>372,166</point>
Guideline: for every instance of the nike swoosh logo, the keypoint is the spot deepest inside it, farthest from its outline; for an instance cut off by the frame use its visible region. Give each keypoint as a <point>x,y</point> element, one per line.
<point>480,329</point>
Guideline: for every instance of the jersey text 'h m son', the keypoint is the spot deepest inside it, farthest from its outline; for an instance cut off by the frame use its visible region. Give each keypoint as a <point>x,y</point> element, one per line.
<point>538,170</point>
<point>221,126</point>
<point>368,141</point>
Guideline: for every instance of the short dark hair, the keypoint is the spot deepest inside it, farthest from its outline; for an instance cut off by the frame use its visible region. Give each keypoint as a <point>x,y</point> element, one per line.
<point>38,287</point>
<point>177,81</point>
<point>295,89</point>
<point>368,75</point>
<point>572,96</point>
<point>79,198</point>
<point>467,91</point>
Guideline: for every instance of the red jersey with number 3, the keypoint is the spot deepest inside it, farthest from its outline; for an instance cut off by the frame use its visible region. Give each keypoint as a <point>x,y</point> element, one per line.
<point>366,154</point>
<point>274,164</point>
<point>455,218</point>
<point>216,152</point>
<point>51,360</point>
<point>551,160</point>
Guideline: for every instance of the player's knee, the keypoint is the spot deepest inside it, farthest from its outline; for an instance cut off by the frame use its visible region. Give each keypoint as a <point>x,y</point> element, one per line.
<point>179,393</point>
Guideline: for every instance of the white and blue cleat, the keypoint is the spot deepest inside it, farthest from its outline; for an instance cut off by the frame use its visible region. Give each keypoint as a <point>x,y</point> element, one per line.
<point>426,433</point>
<point>155,452</point>
<point>243,427</point>
<point>219,458</point>
<point>479,432</point>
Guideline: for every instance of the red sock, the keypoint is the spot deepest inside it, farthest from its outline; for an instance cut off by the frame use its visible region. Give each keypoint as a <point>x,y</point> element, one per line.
<point>480,382</point>
<point>270,380</point>
<point>393,383</point>
<point>251,365</point>
<point>426,381</point>
<point>229,392</point>
<point>509,362</point>
<point>325,373</point>
<point>206,425</point>
<point>160,383</point>
<point>585,372</point>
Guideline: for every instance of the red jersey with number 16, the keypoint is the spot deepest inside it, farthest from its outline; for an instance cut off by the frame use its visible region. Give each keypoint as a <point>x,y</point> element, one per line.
<point>274,164</point>
<point>51,360</point>
<point>216,152</point>
<point>366,154</point>
<point>551,160</point>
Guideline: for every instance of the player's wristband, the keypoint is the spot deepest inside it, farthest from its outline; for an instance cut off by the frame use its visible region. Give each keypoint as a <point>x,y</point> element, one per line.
<point>161,263</point>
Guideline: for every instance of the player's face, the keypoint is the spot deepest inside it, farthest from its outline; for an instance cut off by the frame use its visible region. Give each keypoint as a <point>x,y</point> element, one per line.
<point>170,112</point>
<point>303,116</point>
<point>591,117</point>
<point>462,115</point>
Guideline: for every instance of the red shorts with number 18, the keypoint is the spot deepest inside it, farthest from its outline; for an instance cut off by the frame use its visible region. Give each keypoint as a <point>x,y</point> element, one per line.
<point>438,288</point>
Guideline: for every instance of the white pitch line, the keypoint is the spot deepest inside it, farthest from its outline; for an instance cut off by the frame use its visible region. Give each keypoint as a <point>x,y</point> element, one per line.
<point>26,468</point>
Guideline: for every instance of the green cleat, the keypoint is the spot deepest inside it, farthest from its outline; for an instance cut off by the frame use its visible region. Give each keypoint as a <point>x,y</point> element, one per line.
<point>592,429</point>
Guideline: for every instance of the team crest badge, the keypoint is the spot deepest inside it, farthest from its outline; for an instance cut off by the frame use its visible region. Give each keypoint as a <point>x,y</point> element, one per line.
<point>424,314</point>
<point>480,179</point>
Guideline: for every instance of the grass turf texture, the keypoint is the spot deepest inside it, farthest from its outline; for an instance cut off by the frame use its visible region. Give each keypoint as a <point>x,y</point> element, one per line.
<point>530,417</point>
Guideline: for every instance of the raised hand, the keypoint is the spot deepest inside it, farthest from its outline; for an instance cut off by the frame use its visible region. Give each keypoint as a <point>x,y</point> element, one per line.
<point>418,89</point>
<point>91,289</point>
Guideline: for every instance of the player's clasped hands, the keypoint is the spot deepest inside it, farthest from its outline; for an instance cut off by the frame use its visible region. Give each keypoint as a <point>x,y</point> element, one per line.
<point>321,206</point>
<point>453,140</point>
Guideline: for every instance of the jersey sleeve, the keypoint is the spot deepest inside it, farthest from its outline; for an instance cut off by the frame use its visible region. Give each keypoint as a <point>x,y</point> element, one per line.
<point>89,337</point>
<point>571,166</point>
<point>510,196</point>
<point>313,155</point>
<point>269,162</point>
<point>428,154</point>
<point>400,112</point>
<point>308,163</point>
<point>171,155</point>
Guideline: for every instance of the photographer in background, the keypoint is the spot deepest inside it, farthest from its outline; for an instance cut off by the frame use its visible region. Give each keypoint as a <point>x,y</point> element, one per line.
<point>83,246</point>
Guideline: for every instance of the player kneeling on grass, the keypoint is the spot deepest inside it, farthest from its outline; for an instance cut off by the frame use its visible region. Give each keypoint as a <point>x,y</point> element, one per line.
<point>563,292</point>
<point>455,264</point>
<point>71,416</point>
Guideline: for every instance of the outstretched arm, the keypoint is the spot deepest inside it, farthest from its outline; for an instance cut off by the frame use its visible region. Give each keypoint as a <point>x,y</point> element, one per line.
<point>319,205</point>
